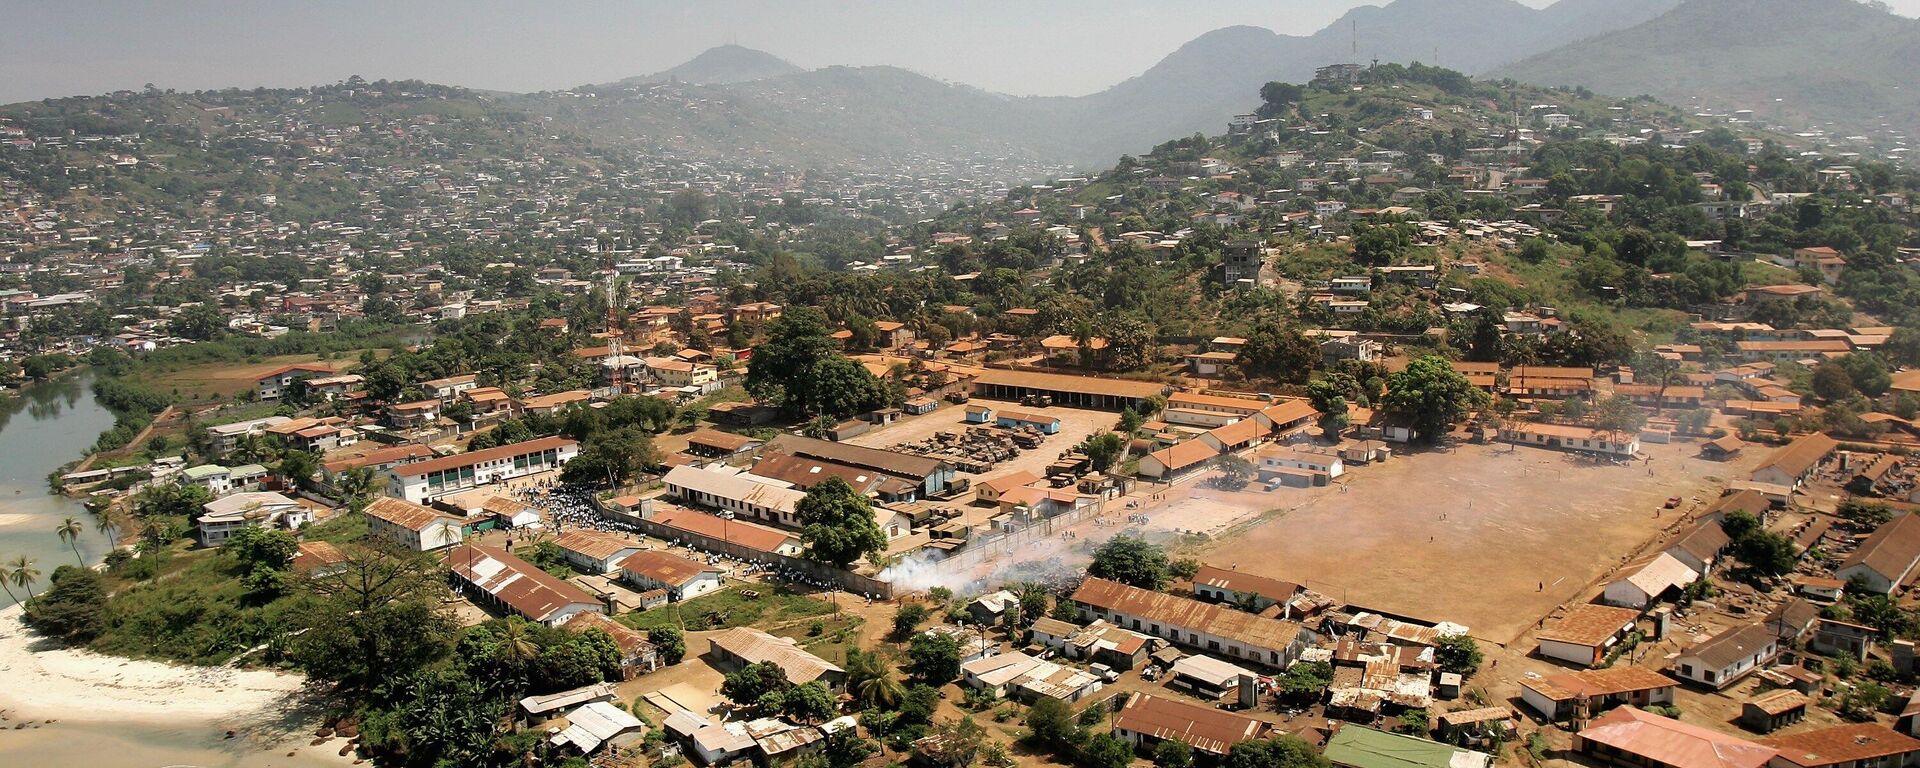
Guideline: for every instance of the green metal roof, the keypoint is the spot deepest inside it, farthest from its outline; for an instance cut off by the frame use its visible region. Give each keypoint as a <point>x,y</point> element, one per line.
<point>1357,746</point>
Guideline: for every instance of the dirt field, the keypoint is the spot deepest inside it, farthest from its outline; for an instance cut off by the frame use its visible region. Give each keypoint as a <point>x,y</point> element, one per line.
<point>202,381</point>
<point>1462,535</point>
<point>1075,426</point>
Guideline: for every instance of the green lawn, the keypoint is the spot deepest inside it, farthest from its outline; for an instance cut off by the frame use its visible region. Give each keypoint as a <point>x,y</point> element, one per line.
<point>773,606</point>
<point>347,527</point>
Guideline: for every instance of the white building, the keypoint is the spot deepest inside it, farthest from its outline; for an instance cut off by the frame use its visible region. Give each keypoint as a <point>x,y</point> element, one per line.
<point>422,481</point>
<point>680,577</point>
<point>264,509</point>
<point>1720,661</point>
<point>411,526</point>
<point>760,497</point>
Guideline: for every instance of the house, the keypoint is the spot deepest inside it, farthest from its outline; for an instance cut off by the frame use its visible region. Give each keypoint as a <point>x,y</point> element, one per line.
<point>594,552</point>
<point>1047,425</point>
<point>991,489</point>
<point>1195,624</point>
<point>1773,710</point>
<point>803,473</point>
<point>271,384</point>
<point>1834,637</point>
<point>717,444</point>
<point>1103,643</point>
<point>1168,464</point>
<point>1722,660</point>
<point>1887,558</point>
<point>680,577</point>
<point>1700,545</point>
<point>738,492</point>
<point>1208,678</point>
<point>1234,438</point>
<point>714,532</point>
<point>318,559</point>
<point>261,509</point>
<point>413,415</point>
<point>596,723</point>
<point>555,402</point>
<point>993,607</point>
<point>1630,736</point>
<point>932,475</point>
<point>1586,634</point>
<point>1858,745</point>
<point>1274,460</point>
<point>421,481</point>
<point>1793,463</point>
<point>1582,693</point>
<point>741,646</point>
<point>638,656</point>
<point>448,388</point>
<point>1019,676</point>
<point>378,460</point>
<point>978,413</point>
<point>1619,445</point>
<point>1485,726</point>
<point>1223,586</point>
<point>496,577</point>
<point>1647,580</point>
<point>1145,720</point>
<point>225,437</point>
<point>411,526</point>
<point>674,372</point>
<point>1357,746</point>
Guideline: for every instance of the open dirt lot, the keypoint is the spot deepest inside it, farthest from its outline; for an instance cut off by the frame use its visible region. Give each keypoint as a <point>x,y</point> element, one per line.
<point>1075,426</point>
<point>226,380</point>
<point>1467,534</point>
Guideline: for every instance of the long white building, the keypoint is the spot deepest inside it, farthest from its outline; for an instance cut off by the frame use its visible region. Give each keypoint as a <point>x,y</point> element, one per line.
<point>423,481</point>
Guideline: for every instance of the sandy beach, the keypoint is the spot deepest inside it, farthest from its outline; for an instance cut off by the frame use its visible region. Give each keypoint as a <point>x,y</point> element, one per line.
<point>187,708</point>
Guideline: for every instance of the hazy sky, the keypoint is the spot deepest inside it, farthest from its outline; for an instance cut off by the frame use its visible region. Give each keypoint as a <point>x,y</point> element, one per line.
<point>1047,47</point>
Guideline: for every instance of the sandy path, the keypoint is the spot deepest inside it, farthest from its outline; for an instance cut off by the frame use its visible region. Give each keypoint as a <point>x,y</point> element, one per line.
<point>39,679</point>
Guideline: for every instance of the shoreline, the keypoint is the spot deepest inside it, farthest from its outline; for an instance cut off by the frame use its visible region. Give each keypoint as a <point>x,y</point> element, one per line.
<point>39,679</point>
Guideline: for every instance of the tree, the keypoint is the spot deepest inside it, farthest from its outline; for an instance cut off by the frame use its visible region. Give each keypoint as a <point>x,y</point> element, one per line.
<point>74,608</point>
<point>935,658</point>
<point>1614,413</point>
<point>1831,382</point>
<point>808,703</point>
<point>1235,471</point>
<point>200,322</point>
<point>298,467</point>
<point>1283,354</point>
<point>22,573</point>
<point>1130,560</point>
<point>882,691</point>
<point>671,644</point>
<point>375,620</point>
<point>748,685</point>
<point>1105,750</point>
<point>1434,396</point>
<point>1104,449</point>
<point>1050,724</point>
<point>1305,681</point>
<point>837,524</point>
<point>800,369</point>
<point>1173,753</point>
<point>70,530</point>
<point>842,748</point>
<point>951,744</point>
<point>1277,752</point>
<point>907,619</point>
<point>1458,654</point>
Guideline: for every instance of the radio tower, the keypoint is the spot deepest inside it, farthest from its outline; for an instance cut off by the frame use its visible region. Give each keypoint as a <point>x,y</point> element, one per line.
<point>616,362</point>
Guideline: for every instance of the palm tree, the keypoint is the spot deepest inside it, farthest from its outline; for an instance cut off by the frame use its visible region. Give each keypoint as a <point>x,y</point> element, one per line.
<point>103,525</point>
<point>70,530</point>
<point>881,691</point>
<point>6,574</point>
<point>518,642</point>
<point>23,574</point>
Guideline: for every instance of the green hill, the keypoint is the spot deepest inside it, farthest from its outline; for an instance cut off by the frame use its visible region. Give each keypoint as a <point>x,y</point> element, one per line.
<point>1838,63</point>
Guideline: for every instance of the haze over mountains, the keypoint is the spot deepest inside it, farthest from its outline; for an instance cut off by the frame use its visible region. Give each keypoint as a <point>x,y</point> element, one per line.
<point>1836,62</point>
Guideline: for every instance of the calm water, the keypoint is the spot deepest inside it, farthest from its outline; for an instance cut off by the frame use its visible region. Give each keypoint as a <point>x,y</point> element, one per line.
<point>45,426</point>
<point>48,425</point>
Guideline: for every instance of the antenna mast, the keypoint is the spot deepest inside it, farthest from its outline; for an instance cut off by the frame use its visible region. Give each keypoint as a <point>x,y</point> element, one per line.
<point>615,359</point>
